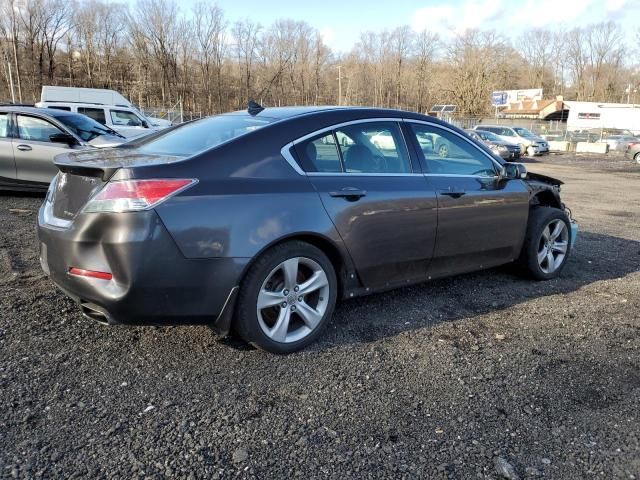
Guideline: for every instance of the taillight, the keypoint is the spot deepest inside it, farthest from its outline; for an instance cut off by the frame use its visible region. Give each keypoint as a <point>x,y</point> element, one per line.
<point>135,195</point>
<point>81,272</point>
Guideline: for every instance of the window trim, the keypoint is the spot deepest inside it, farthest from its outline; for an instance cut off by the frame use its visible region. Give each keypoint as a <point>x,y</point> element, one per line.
<point>288,156</point>
<point>497,165</point>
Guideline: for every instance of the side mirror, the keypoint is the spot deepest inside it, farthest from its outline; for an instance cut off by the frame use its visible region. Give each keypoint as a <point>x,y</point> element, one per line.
<point>512,171</point>
<point>63,138</point>
<point>145,124</point>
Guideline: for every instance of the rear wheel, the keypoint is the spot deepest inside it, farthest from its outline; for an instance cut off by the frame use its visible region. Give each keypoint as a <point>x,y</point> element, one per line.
<point>637,158</point>
<point>547,243</point>
<point>286,298</point>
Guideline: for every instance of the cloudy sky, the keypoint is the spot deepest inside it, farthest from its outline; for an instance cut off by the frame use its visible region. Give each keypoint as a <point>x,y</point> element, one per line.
<point>341,21</point>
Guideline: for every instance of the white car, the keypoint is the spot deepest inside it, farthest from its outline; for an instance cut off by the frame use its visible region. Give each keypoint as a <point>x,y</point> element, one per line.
<point>383,140</point>
<point>530,143</point>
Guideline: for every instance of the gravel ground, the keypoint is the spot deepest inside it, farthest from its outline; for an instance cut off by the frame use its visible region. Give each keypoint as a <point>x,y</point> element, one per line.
<point>486,375</point>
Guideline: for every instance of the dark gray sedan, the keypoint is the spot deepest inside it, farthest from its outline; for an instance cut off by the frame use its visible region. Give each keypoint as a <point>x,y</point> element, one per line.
<point>31,137</point>
<point>260,221</point>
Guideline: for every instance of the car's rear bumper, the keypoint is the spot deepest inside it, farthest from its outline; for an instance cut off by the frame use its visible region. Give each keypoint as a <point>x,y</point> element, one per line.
<point>152,284</point>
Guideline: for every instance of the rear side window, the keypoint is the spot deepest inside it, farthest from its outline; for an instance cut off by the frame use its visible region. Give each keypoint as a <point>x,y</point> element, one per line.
<point>4,125</point>
<point>320,154</point>
<point>35,129</point>
<point>96,113</point>
<point>449,154</point>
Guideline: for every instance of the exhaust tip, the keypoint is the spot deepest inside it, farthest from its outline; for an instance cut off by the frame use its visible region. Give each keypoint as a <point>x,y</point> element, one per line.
<point>93,312</point>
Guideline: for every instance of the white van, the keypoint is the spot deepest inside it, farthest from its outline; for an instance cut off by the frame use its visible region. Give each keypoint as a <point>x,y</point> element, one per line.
<point>107,107</point>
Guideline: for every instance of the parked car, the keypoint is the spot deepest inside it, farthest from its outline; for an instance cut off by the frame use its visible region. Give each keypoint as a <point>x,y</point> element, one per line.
<point>31,137</point>
<point>633,152</point>
<point>253,221</point>
<point>530,144</point>
<point>107,107</point>
<point>506,150</point>
<point>620,142</point>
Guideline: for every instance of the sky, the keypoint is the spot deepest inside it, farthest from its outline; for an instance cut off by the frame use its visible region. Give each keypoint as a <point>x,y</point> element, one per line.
<point>342,21</point>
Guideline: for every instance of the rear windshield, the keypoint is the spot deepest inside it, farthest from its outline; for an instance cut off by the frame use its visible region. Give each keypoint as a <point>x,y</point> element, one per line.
<point>202,135</point>
<point>84,127</point>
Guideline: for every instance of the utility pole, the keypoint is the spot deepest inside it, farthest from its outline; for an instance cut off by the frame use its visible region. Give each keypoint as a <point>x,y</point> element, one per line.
<point>13,94</point>
<point>339,84</point>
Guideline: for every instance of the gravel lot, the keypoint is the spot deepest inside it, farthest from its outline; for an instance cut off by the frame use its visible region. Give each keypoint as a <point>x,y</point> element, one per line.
<point>485,375</point>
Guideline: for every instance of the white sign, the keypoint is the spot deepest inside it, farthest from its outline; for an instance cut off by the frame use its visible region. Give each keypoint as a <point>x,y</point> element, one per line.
<point>505,97</point>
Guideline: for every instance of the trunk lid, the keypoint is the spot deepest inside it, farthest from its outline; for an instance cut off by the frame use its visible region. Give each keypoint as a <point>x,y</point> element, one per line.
<point>83,174</point>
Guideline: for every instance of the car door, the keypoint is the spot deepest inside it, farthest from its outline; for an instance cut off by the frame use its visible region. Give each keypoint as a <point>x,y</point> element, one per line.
<point>34,151</point>
<point>7,160</point>
<point>482,217</point>
<point>127,123</point>
<point>376,198</point>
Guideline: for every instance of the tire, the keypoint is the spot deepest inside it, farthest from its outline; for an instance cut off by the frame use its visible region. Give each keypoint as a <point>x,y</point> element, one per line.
<point>637,158</point>
<point>297,318</point>
<point>534,257</point>
<point>443,151</point>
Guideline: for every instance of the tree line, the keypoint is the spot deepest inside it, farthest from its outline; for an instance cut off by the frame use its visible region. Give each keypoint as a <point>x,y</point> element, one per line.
<point>157,55</point>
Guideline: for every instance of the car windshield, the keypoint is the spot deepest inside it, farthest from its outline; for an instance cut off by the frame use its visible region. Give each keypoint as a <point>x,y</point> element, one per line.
<point>201,135</point>
<point>523,132</point>
<point>84,127</point>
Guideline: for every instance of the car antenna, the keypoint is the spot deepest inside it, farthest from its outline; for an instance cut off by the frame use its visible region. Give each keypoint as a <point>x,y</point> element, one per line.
<point>254,108</point>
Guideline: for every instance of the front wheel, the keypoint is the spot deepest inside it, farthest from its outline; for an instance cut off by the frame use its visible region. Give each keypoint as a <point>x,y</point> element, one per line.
<point>547,243</point>
<point>286,298</point>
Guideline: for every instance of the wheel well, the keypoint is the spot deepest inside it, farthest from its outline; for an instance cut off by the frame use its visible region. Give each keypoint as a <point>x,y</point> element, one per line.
<point>327,247</point>
<point>545,198</point>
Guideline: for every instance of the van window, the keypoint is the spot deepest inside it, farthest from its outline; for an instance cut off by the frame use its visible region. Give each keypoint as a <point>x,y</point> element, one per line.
<point>60,107</point>
<point>125,119</point>
<point>96,113</point>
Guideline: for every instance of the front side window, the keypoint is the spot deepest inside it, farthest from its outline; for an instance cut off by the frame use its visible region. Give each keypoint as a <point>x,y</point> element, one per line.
<point>4,125</point>
<point>36,129</point>
<point>123,118</point>
<point>320,154</point>
<point>451,154</point>
<point>95,113</point>
<point>523,132</point>
<point>373,147</point>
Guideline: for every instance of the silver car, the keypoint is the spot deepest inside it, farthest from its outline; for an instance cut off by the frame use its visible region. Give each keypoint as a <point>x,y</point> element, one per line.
<point>31,137</point>
<point>620,142</point>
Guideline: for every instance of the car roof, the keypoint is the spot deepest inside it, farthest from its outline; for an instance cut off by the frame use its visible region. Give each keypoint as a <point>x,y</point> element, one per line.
<point>52,112</point>
<point>283,113</point>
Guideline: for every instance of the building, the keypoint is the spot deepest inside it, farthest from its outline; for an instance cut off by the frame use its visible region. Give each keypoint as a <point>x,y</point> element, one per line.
<point>537,109</point>
<point>597,115</point>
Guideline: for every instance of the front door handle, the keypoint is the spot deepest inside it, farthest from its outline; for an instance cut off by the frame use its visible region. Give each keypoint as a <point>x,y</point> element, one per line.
<point>349,193</point>
<point>24,148</point>
<point>453,193</point>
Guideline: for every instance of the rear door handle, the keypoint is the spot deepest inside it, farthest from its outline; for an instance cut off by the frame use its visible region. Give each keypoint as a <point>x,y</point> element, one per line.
<point>453,193</point>
<point>24,148</point>
<point>349,193</point>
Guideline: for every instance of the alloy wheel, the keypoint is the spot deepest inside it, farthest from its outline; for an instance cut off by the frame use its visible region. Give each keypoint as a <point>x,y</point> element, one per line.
<point>553,246</point>
<point>443,151</point>
<point>293,300</point>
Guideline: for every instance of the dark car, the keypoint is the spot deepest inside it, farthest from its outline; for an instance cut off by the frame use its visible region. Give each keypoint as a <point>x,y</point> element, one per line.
<point>502,148</point>
<point>260,221</point>
<point>31,137</point>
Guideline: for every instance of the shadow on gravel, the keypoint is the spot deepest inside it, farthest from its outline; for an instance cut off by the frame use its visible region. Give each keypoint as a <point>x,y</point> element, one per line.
<point>597,257</point>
